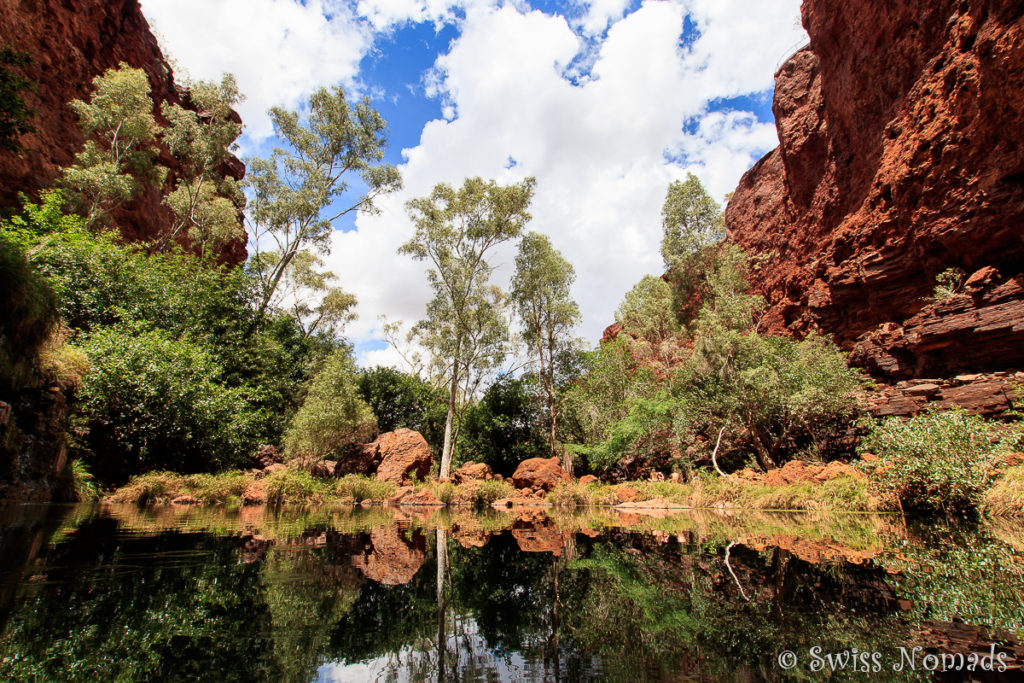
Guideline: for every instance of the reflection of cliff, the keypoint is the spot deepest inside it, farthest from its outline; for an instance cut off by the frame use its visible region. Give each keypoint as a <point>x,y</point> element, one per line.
<point>72,42</point>
<point>899,157</point>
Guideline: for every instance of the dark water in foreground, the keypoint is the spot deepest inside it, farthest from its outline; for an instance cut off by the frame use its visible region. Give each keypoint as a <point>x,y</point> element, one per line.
<point>122,594</point>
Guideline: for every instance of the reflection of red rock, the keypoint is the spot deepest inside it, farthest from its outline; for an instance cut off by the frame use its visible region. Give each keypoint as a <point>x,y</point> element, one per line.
<point>403,453</point>
<point>536,533</point>
<point>898,159</point>
<point>392,559</point>
<point>542,473</point>
<point>72,42</point>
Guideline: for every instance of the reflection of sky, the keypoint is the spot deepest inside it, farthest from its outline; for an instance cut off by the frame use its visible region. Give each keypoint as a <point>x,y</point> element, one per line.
<point>468,654</point>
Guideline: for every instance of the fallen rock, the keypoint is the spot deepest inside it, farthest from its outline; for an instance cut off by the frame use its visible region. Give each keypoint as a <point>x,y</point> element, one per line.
<point>589,479</point>
<point>359,459</point>
<point>267,455</point>
<point>254,494</point>
<point>401,493</point>
<point>403,453</point>
<point>274,467</point>
<point>544,473</point>
<point>471,471</point>
<point>422,498</point>
<point>323,468</point>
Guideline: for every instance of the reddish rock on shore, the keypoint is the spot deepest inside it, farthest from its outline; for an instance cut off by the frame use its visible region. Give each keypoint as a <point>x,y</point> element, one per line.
<point>539,473</point>
<point>403,453</point>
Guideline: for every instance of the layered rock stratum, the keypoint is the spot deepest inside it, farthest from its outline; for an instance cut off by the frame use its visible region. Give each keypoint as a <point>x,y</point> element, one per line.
<point>900,156</point>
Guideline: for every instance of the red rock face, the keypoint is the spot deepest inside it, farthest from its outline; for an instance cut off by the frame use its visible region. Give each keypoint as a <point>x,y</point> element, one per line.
<point>900,156</point>
<point>72,42</point>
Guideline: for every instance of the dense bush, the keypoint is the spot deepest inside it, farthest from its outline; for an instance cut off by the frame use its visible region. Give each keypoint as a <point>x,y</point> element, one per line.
<point>154,402</point>
<point>99,282</point>
<point>934,462</point>
<point>662,405</point>
<point>28,307</point>
<point>504,428</point>
<point>333,415</point>
<point>399,399</point>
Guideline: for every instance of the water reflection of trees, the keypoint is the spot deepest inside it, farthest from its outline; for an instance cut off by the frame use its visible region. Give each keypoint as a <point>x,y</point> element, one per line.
<point>460,603</point>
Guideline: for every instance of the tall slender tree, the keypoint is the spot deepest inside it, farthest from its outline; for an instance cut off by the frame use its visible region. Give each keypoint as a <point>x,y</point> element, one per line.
<point>455,230</point>
<point>298,193</point>
<point>540,289</point>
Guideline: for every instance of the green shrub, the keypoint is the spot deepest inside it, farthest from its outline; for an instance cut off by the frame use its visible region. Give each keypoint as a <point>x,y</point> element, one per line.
<point>504,428</point>
<point>399,399</point>
<point>298,487</point>
<point>28,306</point>
<point>360,488</point>
<point>83,483</point>
<point>155,402</point>
<point>333,415</point>
<point>935,462</point>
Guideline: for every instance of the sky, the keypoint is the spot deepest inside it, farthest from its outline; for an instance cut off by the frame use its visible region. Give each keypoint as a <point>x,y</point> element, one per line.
<point>604,103</point>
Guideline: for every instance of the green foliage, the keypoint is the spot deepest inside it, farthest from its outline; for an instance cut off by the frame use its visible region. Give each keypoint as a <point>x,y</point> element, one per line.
<point>307,293</point>
<point>504,428</point>
<point>119,153</point>
<point>934,462</point>
<point>949,283</point>
<point>540,288</point>
<point>611,381</point>
<point>360,488</point>
<point>692,228</point>
<point>772,395</point>
<point>28,306</point>
<point>646,311</point>
<point>768,396</point>
<point>333,415</point>
<point>465,330</point>
<point>295,193</point>
<point>156,402</point>
<point>15,114</point>
<point>400,399</point>
<point>83,483</point>
<point>691,221</point>
<point>206,205</point>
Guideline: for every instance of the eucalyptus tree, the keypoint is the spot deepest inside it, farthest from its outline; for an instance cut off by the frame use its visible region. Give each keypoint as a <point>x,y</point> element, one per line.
<point>540,289</point>
<point>455,229</point>
<point>693,227</point>
<point>207,205</point>
<point>297,193</point>
<point>308,293</point>
<point>119,154</point>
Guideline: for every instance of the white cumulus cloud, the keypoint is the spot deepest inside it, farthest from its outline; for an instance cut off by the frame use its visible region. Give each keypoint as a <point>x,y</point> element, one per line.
<point>602,149</point>
<point>279,50</point>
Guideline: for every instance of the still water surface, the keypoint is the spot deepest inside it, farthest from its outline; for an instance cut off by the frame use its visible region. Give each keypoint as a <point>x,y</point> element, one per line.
<point>126,594</point>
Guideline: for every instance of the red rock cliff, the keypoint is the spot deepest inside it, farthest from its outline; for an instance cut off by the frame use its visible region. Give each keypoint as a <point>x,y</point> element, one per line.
<point>72,42</point>
<point>901,155</point>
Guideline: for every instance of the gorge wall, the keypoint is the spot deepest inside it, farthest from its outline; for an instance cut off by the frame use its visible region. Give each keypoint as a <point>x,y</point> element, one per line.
<point>901,155</point>
<point>72,42</point>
